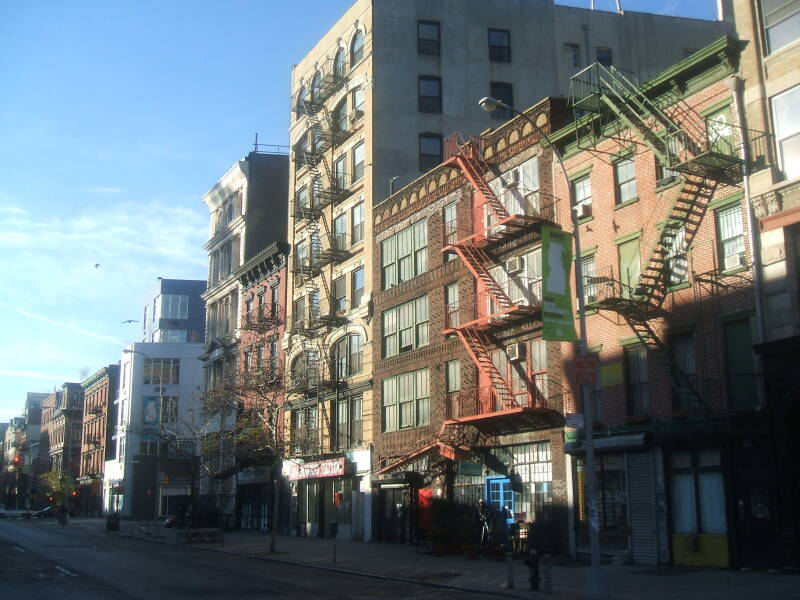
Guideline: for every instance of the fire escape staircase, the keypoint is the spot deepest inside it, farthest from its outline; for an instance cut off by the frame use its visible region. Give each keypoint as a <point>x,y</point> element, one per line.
<point>679,141</point>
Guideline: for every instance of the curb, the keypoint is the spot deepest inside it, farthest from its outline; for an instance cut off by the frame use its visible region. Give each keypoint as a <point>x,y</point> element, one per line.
<point>365,574</point>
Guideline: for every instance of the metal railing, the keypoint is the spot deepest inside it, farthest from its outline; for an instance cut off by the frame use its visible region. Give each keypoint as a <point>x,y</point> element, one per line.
<point>541,393</point>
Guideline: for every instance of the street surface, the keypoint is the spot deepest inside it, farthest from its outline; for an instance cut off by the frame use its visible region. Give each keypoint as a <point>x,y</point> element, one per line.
<point>40,561</point>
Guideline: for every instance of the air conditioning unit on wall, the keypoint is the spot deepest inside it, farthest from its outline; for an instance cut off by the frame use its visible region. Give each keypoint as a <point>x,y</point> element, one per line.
<point>516,352</point>
<point>515,265</point>
<point>733,261</point>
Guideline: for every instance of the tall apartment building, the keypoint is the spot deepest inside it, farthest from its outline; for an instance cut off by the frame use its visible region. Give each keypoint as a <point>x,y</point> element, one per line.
<point>767,95</point>
<point>371,104</point>
<point>176,314</point>
<point>248,214</point>
<point>99,425</point>
<point>62,417</point>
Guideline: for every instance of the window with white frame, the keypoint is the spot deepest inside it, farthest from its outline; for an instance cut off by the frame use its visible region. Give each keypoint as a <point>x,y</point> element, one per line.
<point>405,254</point>
<point>347,356</point>
<point>582,197</point>
<point>357,287</point>
<point>340,232</point>
<point>518,190</point>
<point>357,223</point>
<point>349,422</point>
<point>161,371</point>
<point>450,222</point>
<point>173,336</point>
<point>169,409</point>
<point>356,48</point>
<point>730,235</point>
<point>453,375</point>
<point>405,327</point>
<point>174,306</point>
<point>625,175</point>
<point>589,270</point>
<point>452,306</point>
<point>781,22</point>
<point>677,257</point>
<point>406,400</point>
<point>340,172</point>
<point>520,277</point>
<point>340,294</point>
<point>358,162</point>
<point>787,129</point>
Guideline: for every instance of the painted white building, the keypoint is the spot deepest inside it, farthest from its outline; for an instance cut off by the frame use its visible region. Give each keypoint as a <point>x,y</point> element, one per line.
<point>158,410</point>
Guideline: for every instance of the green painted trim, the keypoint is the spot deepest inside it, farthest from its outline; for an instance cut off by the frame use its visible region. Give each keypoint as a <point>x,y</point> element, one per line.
<point>669,182</point>
<point>679,286</point>
<point>737,315</point>
<point>628,237</point>
<point>707,112</point>
<point>624,153</point>
<point>628,341</point>
<point>588,251</point>
<point>585,220</point>
<point>740,269</point>
<point>725,202</point>
<point>594,349</point>
<point>580,174</point>
<point>626,203</point>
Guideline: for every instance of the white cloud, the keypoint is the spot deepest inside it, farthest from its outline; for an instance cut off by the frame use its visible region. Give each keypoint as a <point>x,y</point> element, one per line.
<point>70,326</point>
<point>101,189</point>
<point>14,210</point>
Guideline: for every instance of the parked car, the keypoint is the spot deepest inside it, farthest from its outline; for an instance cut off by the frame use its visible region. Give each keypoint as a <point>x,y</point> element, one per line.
<point>46,513</point>
<point>15,514</point>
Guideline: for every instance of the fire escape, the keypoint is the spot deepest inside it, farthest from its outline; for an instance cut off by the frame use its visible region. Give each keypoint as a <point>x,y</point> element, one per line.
<point>706,156</point>
<point>496,404</point>
<point>315,374</point>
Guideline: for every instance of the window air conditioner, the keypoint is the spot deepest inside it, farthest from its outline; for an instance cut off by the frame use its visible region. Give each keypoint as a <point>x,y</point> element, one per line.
<point>355,115</point>
<point>511,183</point>
<point>515,352</point>
<point>515,265</point>
<point>584,210</point>
<point>733,261</point>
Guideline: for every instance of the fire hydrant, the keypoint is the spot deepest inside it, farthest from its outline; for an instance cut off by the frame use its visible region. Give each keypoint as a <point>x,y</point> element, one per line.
<point>532,562</point>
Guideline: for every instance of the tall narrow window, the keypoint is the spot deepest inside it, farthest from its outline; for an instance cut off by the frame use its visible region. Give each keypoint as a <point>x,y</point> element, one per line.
<point>636,380</point>
<point>781,22</point>
<point>428,37</point>
<point>339,64</point>
<point>340,232</point>
<point>731,237</point>
<point>430,94</point>
<point>357,98</point>
<point>358,162</point>
<point>582,197</point>
<point>625,175</point>
<point>787,129</point>
<point>589,270</point>
<point>340,294</point>
<point>299,312</point>
<point>340,116</point>
<point>430,151</point>
<point>573,54</point>
<point>603,56</point>
<point>357,48</point>
<point>499,45</point>
<point>452,306</point>
<point>630,267</point>
<point>504,92</point>
<point>720,132</point>
<point>274,301</point>
<point>677,256</point>
<point>357,285</point>
<point>450,222</point>
<point>684,381</point>
<point>340,172</point>
<point>316,83</point>
<point>357,223</point>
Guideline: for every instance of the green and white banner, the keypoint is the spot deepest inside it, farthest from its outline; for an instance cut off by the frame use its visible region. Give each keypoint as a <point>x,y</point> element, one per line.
<point>557,320</point>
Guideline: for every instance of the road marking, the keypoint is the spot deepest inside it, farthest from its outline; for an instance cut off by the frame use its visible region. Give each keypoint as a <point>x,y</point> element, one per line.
<point>18,549</point>
<point>65,572</point>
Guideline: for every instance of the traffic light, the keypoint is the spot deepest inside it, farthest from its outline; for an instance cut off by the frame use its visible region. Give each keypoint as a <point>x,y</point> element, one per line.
<point>16,460</point>
<point>74,493</point>
<point>49,498</point>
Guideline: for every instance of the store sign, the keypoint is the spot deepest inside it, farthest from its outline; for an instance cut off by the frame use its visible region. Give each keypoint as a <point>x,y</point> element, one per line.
<point>575,420</point>
<point>469,469</point>
<point>321,468</point>
<point>557,320</point>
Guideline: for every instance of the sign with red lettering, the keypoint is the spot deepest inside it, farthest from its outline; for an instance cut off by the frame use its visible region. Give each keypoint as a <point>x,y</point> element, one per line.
<point>321,468</point>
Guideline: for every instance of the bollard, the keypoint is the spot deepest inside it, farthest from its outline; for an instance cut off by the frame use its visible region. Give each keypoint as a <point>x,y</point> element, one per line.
<point>532,562</point>
<point>334,530</point>
<point>509,585</point>
<point>548,580</point>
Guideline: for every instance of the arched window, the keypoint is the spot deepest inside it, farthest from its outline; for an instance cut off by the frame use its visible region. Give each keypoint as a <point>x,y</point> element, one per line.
<point>301,96</point>
<point>357,48</point>
<point>315,87</point>
<point>305,370</point>
<point>340,116</point>
<point>346,356</point>
<point>339,64</point>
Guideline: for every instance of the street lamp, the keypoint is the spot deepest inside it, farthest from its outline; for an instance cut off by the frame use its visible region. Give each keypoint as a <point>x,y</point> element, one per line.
<point>595,587</point>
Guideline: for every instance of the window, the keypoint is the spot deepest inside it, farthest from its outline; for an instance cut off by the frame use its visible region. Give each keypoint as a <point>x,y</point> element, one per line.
<point>169,409</point>
<point>697,492</point>
<point>248,360</point>
<point>273,359</point>
<point>349,422</point>
<point>274,301</point>
<point>161,371</point>
<point>299,312</point>
<point>573,53</point>
<point>340,294</point>
<point>630,267</point>
<point>720,132</point>
<point>430,94</point>
<point>453,374</point>
<point>358,162</point>
<point>357,285</point>
<point>173,336</point>
<point>174,306</point>
<point>405,327</point>
<point>452,307</point>
<point>315,87</point>
<point>781,21</point>
<point>313,305</point>
<point>731,237</point>
<point>406,400</point>
<point>499,45</point>
<point>305,370</point>
<point>636,380</point>
<point>677,256</point>
<point>740,369</point>
<point>357,223</point>
<point>430,151</point>
<point>405,254</point>
<point>428,37</point>
<point>582,197</point>
<point>358,98</point>
<point>339,64</point>
<point>305,430</point>
<point>340,232</point>
<point>340,116</point>
<point>589,270</point>
<point>357,48</point>
<point>450,222</point>
<point>787,130</point>
<point>347,356</point>
<point>603,56</point>
<point>504,92</point>
<point>625,175</point>
<point>301,98</point>
<point>303,198</point>
<point>339,173</point>
<point>684,382</point>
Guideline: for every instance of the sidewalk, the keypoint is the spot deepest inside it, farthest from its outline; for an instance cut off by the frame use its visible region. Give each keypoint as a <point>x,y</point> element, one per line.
<point>486,575</point>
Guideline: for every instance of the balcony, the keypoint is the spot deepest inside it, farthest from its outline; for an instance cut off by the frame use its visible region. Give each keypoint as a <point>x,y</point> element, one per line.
<point>526,293</point>
<point>261,321</point>
<point>537,405</point>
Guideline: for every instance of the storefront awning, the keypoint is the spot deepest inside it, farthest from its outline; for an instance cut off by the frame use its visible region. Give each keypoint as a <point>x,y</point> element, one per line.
<point>444,450</point>
<point>612,443</point>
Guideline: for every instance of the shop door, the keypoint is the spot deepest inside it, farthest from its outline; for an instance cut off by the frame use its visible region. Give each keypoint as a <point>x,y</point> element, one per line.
<point>499,495</point>
<point>394,511</point>
<point>424,513</point>
<point>753,540</point>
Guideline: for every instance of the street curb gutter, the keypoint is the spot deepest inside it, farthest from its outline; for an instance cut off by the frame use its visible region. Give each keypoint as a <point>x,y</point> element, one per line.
<point>334,569</point>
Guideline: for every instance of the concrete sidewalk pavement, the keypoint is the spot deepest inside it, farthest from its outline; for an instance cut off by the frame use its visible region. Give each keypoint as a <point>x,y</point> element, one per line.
<point>401,561</point>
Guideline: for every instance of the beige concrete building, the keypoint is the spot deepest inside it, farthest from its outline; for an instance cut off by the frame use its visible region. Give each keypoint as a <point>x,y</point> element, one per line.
<point>371,104</point>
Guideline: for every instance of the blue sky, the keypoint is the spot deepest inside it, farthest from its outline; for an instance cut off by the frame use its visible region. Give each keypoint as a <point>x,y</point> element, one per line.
<point>115,118</point>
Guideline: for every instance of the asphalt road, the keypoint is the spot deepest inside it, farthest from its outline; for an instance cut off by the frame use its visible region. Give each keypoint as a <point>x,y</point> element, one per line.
<point>41,561</point>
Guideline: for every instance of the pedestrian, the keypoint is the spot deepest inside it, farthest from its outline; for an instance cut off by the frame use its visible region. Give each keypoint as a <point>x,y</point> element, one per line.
<point>63,517</point>
<point>487,522</point>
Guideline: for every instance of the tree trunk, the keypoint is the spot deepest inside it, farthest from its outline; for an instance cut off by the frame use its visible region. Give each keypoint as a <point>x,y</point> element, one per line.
<point>276,503</point>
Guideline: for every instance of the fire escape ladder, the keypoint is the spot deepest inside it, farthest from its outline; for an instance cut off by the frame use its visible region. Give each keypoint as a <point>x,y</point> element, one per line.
<point>467,157</point>
<point>478,347</point>
<point>685,216</point>
<point>475,259</point>
<point>336,250</point>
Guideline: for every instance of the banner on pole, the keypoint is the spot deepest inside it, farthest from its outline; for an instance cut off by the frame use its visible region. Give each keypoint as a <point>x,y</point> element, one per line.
<point>557,320</point>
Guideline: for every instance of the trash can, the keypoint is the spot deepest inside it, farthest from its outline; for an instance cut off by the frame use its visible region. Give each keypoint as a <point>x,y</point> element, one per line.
<point>112,521</point>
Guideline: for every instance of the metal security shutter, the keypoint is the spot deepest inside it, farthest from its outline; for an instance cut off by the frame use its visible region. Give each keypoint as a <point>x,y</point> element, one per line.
<point>641,502</point>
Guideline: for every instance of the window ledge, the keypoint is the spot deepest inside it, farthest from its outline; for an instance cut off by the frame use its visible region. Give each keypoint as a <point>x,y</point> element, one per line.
<point>626,203</point>
<point>583,220</point>
<point>679,286</point>
<point>735,271</point>
<point>667,182</point>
